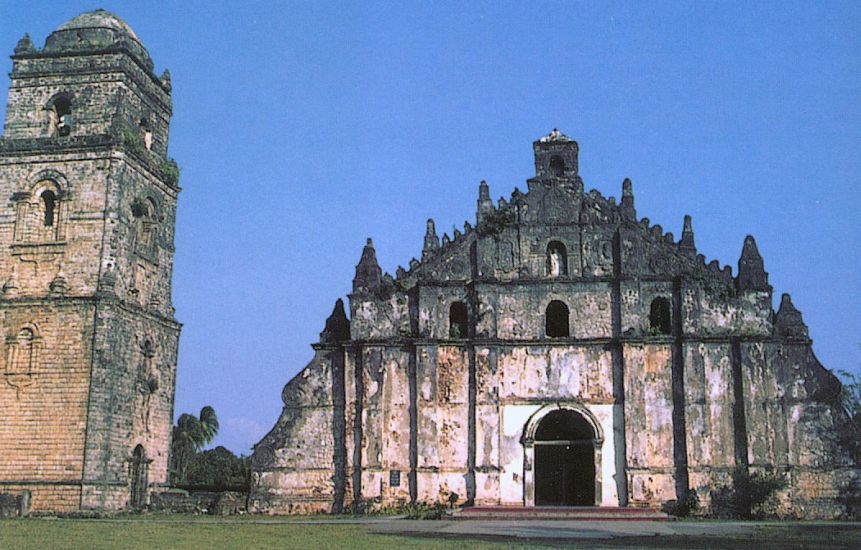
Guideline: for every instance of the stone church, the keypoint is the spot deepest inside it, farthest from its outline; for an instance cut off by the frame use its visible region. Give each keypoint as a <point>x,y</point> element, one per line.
<point>87,210</point>
<point>560,352</point>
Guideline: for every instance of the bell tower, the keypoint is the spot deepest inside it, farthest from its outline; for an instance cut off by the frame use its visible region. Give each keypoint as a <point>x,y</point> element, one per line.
<point>87,215</point>
<point>556,156</point>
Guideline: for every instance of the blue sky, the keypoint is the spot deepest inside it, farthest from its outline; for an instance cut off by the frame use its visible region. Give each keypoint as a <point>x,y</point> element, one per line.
<point>304,128</point>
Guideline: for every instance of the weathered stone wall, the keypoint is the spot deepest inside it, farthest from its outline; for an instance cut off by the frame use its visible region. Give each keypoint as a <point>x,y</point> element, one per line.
<point>86,254</point>
<point>649,422</point>
<point>709,410</point>
<point>133,377</point>
<point>681,371</point>
<point>442,380</point>
<point>45,402</point>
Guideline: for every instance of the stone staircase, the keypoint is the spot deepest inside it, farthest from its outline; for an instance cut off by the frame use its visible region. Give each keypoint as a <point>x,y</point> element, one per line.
<point>577,513</point>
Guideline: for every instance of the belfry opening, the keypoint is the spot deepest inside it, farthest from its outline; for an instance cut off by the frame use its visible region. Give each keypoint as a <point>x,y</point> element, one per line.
<point>564,460</point>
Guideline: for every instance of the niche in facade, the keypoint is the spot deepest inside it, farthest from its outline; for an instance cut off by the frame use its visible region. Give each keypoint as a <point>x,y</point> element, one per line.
<point>556,320</point>
<point>660,319</point>
<point>146,133</point>
<point>458,320</point>
<point>145,217</point>
<point>60,116</point>
<point>557,259</point>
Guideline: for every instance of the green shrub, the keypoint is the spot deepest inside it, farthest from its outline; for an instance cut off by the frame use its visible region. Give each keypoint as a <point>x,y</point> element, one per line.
<point>134,142</point>
<point>495,222</point>
<point>746,496</point>
<point>169,171</point>
<point>421,510</point>
<point>682,507</point>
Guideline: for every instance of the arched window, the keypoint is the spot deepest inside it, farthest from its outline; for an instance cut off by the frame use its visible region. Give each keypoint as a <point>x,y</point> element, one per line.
<point>557,259</point>
<point>61,117</point>
<point>49,203</point>
<point>139,478</point>
<point>660,319</point>
<point>557,166</point>
<point>458,321</point>
<point>40,209</point>
<point>556,320</point>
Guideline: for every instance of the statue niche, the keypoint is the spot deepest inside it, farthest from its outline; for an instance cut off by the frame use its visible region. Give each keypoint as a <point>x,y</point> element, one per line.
<point>22,352</point>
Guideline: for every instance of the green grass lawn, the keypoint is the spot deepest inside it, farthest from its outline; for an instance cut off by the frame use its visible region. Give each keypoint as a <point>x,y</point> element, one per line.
<point>188,532</point>
<point>157,531</point>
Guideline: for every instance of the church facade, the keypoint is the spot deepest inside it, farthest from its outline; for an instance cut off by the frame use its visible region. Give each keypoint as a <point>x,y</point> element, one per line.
<point>87,213</point>
<point>559,352</point>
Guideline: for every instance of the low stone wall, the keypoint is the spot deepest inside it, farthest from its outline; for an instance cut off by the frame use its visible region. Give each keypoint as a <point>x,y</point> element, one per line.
<point>222,503</point>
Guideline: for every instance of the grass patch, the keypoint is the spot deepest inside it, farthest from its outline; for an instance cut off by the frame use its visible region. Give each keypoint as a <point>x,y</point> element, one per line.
<point>134,533</point>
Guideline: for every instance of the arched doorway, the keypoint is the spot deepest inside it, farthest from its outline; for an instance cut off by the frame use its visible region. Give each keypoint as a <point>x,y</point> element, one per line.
<point>564,460</point>
<point>139,474</point>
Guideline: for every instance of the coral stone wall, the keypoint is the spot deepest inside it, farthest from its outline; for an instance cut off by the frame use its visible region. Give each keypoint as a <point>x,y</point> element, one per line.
<point>560,299</point>
<point>89,339</point>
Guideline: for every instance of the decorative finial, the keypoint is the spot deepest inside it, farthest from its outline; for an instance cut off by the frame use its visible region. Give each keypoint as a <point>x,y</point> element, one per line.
<point>687,245</point>
<point>431,240</point>
<point>485,205</point>
<point>626,206</point>
<point>788,322</point>
<point>483,191</point>
<point>25,45</point>
<point>751,268</point>
<point>337,326</point>
<point>165,80</point>
<point>368,272</point>
<point>10,287</point>
<point>555,135</point>
<point>58,285</point>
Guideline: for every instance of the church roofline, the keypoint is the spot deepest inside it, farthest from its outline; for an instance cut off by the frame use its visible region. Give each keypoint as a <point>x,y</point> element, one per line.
<point>682,250</point>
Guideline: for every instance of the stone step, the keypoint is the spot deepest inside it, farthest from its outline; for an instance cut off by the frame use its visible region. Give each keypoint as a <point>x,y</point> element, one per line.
<point>582,513</point>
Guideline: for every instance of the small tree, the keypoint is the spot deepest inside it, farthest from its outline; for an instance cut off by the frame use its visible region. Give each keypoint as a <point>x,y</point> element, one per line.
<point>850,395</point>
<point>218,469</point>
<point>190,435</point>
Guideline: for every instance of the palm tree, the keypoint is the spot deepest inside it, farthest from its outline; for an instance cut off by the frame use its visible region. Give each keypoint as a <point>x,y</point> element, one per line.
<point>190,435</point>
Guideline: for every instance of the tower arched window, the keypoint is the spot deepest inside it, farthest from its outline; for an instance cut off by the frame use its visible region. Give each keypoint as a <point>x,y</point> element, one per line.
<point>40,211</point>
<point>61,117</point>
<point>49,205</point>
<point>557,259</point>
<point>660,318</point>
<point>556,320</point>
<point>458,320</point>
<point>557,166</point>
